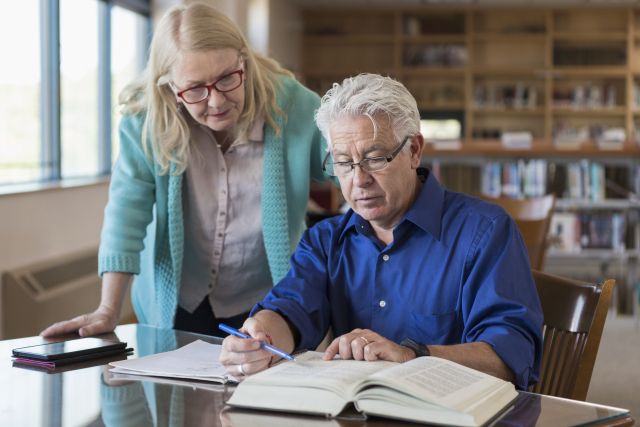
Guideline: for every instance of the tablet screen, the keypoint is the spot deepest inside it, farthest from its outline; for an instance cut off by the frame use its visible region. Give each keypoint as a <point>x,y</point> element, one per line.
<point>69,348</point>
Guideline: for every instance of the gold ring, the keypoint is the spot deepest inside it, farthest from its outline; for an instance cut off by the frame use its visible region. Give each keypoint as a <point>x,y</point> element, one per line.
<point>366,341</point>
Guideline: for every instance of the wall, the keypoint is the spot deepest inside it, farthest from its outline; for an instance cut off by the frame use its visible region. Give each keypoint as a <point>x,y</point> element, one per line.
<point>285,34</point>
<point>234,9</point>
<point>35,226</point>
<point>273,27</point>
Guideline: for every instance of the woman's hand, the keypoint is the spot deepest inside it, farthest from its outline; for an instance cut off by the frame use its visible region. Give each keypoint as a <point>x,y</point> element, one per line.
<point>102,320</point>
<point>106,316</point>
<point>364,344</point>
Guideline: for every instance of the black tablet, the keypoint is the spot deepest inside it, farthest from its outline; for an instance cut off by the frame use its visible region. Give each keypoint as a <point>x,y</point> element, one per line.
<point>59,351</point>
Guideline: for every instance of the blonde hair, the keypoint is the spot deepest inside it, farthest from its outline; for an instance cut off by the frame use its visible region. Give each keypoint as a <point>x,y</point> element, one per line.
<point>196,27</point>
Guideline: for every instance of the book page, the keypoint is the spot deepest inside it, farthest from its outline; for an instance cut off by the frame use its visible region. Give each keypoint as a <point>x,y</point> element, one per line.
<point>198,360</point>
<point>309,370</point>
<point>439,381</point>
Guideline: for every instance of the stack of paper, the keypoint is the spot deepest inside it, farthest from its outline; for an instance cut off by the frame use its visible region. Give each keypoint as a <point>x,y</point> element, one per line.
<point>197,361</point>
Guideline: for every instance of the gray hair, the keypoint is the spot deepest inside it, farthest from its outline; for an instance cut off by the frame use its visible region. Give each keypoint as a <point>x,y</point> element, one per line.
<point>370,95</point>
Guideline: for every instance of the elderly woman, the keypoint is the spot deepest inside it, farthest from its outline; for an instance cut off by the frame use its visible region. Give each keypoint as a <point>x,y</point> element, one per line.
<point>208,197</point>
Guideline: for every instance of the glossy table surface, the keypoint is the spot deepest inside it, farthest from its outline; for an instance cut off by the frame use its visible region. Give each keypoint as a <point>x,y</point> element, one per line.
<point>86,394</point>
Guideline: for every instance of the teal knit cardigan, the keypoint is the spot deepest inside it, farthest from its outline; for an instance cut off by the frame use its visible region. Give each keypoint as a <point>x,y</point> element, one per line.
<point>143,230</point>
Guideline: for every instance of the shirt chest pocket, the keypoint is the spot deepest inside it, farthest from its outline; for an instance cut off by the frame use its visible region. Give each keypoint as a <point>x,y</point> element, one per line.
<point>434,328</point>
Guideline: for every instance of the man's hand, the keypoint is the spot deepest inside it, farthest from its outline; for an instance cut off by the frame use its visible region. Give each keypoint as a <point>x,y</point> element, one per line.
<point>100,321</point>
<point>364,344</point>
<point>242,357</point>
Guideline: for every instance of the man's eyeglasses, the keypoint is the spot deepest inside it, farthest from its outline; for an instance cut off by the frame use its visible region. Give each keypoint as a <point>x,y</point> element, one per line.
<point>226,83</point>
<point>368,164</point>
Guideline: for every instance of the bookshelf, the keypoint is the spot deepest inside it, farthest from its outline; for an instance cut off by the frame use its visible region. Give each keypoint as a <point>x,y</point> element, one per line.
<point>550,72</point>
<point>570,77</point>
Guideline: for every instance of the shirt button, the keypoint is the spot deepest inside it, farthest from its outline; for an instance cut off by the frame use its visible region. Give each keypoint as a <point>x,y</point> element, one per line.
<point>222,214</point>
<point>223,170</point>
<point>385,257</point>
<point>382,303</point>
<point>210,286</point>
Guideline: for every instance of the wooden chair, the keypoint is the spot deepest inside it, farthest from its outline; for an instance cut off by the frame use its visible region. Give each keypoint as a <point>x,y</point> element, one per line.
<point>574,316</point>
<point>533,217</point>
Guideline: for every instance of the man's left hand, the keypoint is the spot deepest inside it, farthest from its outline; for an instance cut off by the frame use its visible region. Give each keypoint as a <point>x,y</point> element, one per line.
<point>364,344</point>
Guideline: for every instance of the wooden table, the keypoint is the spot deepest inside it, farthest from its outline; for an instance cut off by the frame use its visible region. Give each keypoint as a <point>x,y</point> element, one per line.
<point>86,394</point>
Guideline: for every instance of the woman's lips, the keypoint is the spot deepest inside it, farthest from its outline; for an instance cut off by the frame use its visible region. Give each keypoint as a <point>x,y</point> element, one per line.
<point>219,115</point>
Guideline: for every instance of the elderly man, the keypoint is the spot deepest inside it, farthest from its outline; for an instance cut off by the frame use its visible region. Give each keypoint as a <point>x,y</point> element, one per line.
<point>411,270</point>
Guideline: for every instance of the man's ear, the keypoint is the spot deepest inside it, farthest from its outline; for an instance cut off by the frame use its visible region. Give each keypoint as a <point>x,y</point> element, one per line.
<point>417,145</point>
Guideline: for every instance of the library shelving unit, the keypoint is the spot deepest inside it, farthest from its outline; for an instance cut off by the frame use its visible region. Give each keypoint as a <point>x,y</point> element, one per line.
<point>539,70</point>
<point>568,77</point>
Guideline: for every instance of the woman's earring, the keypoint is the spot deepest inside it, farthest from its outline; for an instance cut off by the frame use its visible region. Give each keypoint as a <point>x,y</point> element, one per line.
<point>180,107</point>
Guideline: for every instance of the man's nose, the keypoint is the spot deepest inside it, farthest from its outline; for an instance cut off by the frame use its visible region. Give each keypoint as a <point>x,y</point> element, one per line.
<point>361,178</point>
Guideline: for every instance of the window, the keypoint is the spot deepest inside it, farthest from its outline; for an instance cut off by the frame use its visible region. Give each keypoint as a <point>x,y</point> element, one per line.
<point>58,97</point>
<point>127,60</point>
<point>79,88</point>
<point>19,93</point>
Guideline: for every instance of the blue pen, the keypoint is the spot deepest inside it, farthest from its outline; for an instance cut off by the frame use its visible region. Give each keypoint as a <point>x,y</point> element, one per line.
<point>275,350</point>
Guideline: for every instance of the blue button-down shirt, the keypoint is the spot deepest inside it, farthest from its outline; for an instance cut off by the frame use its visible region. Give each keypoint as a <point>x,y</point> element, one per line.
<point>457,271</point>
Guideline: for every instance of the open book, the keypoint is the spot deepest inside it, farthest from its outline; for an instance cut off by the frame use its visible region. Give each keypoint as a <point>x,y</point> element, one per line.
<point>426,389</point>
<point>197,361</point>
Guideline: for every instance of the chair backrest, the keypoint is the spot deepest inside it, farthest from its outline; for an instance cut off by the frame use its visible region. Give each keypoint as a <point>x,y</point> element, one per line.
<point>533,218</point>
<point>574,316</point>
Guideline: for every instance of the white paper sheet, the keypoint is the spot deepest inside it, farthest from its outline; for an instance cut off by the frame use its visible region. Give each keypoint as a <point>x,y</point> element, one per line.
<point>198,361</point>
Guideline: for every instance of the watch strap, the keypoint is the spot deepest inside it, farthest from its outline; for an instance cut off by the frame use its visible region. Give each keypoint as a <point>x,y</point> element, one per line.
<point>420,350</point>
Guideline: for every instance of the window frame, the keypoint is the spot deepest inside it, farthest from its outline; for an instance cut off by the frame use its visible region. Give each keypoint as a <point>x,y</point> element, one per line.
<point>50,100</point>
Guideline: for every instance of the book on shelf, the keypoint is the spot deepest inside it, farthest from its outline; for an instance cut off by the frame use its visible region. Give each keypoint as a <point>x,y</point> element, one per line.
<point>517,140</point>
<point>570,138</point>
<point>577,180</point>
<point>425,389</point>
<point>586,180</point>
<point>572,232</point>
<point>564,232</point>
<point>445,144</point>
<point>611,139</point>
<point>464,178</point>
<point>515,179</point>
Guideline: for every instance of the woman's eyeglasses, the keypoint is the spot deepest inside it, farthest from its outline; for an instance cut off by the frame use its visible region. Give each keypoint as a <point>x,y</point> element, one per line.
<point>224,84</point>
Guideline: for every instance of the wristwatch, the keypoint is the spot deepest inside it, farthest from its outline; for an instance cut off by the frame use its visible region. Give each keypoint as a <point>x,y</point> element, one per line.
<point>419,349</point>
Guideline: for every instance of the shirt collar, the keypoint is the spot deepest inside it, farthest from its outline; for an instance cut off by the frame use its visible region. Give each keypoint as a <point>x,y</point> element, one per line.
<point>256,132</point>
<point>425,213</point>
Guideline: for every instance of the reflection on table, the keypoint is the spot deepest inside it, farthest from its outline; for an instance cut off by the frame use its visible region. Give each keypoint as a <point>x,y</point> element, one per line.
<point>87,394</point>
